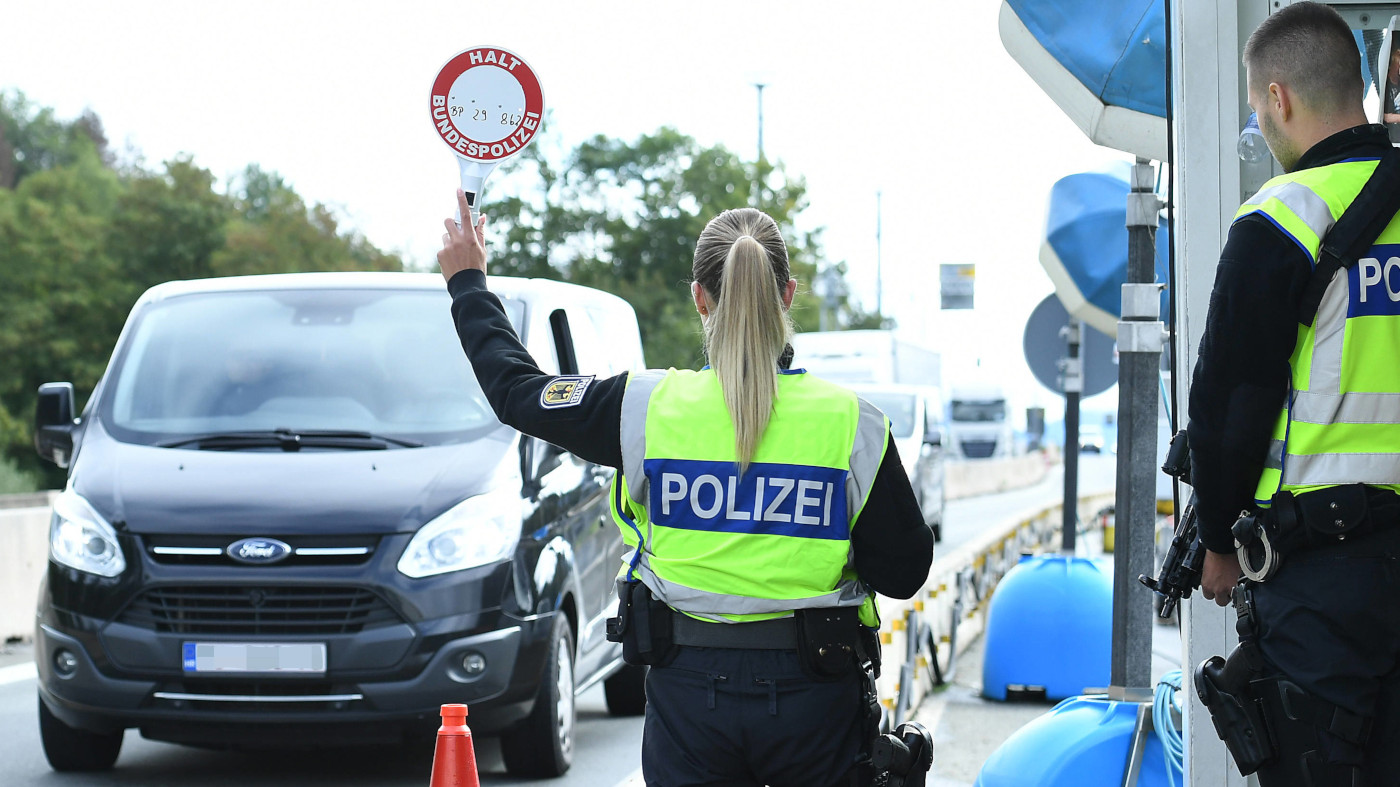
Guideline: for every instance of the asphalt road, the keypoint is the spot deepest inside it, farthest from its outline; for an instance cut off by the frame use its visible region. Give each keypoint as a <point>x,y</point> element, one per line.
<point>969,518</point>
<point>606,753</point>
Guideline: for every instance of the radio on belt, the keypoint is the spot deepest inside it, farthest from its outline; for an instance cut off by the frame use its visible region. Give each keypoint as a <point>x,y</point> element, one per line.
<point>487,105</point>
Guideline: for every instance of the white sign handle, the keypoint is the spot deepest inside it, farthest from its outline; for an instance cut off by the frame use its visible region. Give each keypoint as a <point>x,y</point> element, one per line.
<point>473,176</point>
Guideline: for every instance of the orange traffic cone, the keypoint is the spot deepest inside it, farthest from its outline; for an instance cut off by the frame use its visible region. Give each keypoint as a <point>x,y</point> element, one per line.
<point>454,761</point>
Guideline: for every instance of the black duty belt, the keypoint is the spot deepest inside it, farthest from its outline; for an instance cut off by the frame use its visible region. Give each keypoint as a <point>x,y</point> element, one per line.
<point>776,634</point>
<point>1309,520</point>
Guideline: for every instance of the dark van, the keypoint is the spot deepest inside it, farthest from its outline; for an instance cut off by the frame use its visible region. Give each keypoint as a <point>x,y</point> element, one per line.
<point>291,517</point>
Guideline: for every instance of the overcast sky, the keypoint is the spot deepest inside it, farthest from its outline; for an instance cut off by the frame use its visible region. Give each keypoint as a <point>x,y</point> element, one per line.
<point>918,100</point>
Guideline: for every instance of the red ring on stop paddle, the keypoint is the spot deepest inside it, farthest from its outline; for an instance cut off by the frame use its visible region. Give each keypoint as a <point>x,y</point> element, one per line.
<point>523,74</point>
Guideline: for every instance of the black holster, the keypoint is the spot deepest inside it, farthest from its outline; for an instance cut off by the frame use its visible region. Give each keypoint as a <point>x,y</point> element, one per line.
<point>1225,686</point>
<point>828,641</point>
<point>643,625</point>
<point>1268,723</point>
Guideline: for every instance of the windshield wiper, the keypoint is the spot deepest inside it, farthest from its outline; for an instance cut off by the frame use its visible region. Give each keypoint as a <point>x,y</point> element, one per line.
<point>290,440</point>
<point>316,434</point>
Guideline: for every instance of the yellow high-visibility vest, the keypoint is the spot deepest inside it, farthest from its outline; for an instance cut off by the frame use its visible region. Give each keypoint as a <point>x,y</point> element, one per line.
<point>725,547</point>
<point>1340,423</point>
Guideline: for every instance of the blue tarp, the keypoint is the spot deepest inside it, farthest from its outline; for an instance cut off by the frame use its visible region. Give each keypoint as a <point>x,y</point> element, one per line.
<point>1117,48</point>
<point>1087,229</point>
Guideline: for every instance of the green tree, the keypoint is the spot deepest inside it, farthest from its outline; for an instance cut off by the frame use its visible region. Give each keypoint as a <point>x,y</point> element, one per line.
<point>624,217</point>
<point>80,241</point>
<point>271,230</point>
<point>32,140</point>
<point>57,285</point>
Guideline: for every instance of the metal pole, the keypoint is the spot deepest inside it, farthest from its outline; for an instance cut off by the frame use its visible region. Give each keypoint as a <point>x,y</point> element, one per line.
<point>1140,339</point>
<point>758,168</point>
<point>879,262</point>
<point>1074,385</point>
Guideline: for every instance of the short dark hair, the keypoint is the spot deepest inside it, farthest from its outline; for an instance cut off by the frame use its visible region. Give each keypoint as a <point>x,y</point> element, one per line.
<point>1310,48</point>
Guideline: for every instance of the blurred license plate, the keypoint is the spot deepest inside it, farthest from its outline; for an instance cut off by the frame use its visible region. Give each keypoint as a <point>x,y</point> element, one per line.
<point>255,657</point>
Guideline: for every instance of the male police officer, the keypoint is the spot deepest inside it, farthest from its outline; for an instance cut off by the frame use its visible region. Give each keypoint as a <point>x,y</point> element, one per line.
<point>1295,414</point>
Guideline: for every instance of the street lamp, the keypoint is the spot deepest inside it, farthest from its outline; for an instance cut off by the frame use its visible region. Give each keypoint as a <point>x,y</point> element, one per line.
<point>758,168</point>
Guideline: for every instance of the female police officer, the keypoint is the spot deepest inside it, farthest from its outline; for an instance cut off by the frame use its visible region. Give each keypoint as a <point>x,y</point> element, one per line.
<point>763,506</point>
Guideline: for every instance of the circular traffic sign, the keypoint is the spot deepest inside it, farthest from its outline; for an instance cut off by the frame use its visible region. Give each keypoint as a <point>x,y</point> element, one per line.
<point>1045,345</point>
<point>487,104</point>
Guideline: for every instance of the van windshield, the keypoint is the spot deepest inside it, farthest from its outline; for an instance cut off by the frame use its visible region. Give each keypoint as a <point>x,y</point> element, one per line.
<point>385,362</point>
<point>898,407</point>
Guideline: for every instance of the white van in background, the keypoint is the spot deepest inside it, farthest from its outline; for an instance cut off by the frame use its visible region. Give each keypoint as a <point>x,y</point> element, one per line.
<point>866,357</point>
<point>916,424</point>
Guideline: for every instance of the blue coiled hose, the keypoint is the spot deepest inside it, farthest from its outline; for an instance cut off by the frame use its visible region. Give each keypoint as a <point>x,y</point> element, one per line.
<point>1164,700</point>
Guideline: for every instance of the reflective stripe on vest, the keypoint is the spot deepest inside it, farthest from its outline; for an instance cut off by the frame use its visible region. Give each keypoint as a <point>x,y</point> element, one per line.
<point>1341,419</point>
<point>723,547</point>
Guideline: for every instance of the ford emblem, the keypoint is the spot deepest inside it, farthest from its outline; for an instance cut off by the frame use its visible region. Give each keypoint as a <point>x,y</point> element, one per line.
<point>258,551</point>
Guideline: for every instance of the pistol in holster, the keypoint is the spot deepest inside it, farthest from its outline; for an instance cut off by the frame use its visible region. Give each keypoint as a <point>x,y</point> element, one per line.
<point>643,625</point>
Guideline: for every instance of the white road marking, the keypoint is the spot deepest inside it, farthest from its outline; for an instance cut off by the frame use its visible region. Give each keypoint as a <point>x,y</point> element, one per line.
<point>16,673</point>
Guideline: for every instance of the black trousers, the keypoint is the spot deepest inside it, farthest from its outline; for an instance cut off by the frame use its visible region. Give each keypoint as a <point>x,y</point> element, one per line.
<point>746,718</point>
<point>1330,622</point>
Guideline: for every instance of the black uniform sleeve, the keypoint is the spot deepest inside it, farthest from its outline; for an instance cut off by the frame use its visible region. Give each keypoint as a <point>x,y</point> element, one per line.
<point>514,384</point>
<point>1242,372</point>
<point>893,547</point>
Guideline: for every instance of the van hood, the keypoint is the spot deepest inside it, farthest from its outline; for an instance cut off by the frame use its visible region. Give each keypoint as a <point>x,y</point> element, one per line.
<point>150,490</point>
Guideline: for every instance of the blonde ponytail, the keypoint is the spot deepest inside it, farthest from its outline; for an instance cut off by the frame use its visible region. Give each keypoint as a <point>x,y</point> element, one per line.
<point>742,264</point>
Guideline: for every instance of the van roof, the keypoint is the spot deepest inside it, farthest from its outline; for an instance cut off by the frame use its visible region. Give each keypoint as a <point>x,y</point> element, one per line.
<point>369,280</point>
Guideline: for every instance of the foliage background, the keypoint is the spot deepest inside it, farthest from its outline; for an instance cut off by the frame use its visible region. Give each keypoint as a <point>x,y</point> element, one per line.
<point>83,232</point>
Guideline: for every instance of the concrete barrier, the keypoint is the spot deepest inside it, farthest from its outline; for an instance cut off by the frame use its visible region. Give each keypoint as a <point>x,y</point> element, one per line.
<point>974,477</point>
<point>24,553</point>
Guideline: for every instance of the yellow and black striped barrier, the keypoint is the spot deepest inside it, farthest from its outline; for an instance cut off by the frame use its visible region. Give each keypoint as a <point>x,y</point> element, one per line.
<point>922,637</point>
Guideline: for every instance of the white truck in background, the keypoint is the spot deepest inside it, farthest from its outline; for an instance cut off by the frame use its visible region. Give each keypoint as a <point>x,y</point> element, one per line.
<point>979,423</point>
<point>901,378</point>
<point>866,357</point>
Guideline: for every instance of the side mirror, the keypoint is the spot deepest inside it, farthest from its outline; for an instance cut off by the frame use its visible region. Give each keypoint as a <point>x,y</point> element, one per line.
<point>934,437</point>
<point>551,457</point>
<point>54,424</point>
<point>532,451</point>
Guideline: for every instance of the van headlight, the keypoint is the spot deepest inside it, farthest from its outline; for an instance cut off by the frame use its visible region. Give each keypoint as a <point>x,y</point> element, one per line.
<point>477,531</point>
<point>80,538</point>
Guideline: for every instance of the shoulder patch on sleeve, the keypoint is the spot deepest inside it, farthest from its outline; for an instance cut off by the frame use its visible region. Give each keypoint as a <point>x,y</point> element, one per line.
<point>565,391</point>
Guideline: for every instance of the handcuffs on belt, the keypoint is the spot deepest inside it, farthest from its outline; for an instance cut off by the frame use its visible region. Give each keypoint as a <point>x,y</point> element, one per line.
<point>1291,523</point>
<point>1254,548</point>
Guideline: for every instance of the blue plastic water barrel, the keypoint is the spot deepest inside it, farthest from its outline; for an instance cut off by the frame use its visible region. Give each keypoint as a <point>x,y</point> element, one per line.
<point>1081,742</point>
<point>1050,624</point>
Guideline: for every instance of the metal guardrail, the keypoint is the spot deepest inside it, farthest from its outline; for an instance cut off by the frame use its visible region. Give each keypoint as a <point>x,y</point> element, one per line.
<point>27,500</point>
<point>929,631</point>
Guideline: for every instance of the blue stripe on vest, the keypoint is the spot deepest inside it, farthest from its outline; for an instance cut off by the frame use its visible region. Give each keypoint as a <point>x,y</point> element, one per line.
<point>1374,283</point>
<point>771,499</point>
<point>1259,212</point>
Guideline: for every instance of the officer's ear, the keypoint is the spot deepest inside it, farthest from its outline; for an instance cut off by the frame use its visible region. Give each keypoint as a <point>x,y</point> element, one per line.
<point>788,292</point>
<point>1283,99</point>
<point>702,299</point>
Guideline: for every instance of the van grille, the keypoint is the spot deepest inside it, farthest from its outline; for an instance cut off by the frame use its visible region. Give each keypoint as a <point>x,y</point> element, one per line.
<point>207,550</point>
<point>258,610</point>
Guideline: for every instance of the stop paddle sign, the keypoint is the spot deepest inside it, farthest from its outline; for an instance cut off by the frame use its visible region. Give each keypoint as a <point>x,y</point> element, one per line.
<point>487,105</point>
